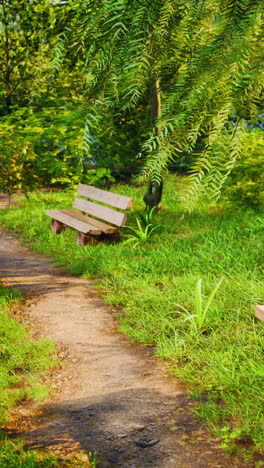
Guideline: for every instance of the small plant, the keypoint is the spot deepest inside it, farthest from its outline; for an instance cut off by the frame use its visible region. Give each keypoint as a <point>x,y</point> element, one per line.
<point>229,436</point>
<point>147,217</point>
<point>144,230</point>
<point>92,459</point>
<point>197,320</point>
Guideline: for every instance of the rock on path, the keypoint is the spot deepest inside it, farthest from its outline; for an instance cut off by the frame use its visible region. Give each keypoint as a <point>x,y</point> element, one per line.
<point>115,398</point>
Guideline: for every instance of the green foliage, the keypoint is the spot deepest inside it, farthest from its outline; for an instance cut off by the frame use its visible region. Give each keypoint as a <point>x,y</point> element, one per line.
<point>16,165</point>
<point>57,158</point>
<point>24,51</point>
<point>229,436</point>
<point>100,177</point>
<point>223,361</point>
<point>206,57</point>
<point>34,106</point>
<point>245,185</point>
<point>113,136</point>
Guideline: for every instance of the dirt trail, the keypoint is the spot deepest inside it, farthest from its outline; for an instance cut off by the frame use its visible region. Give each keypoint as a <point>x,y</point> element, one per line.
<point>115,398</point>
<point>4,200</point>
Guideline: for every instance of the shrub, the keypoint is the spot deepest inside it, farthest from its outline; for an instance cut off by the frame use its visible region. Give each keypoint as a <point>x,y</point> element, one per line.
<point>16,165</point>
<point>246,182</point>
<point>100,177</point>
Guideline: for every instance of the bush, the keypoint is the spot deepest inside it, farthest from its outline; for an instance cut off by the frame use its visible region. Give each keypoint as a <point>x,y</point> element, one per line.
<point>53,146</point>
<point>100,177</point>
<point>246,182</point>
<point>16,165</point>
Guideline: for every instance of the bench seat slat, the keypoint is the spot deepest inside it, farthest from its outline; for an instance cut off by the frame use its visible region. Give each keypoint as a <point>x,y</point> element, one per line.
<point>99,211</point>
<point>73,222</point>
<point>117,201</point>
<point>94,222</point>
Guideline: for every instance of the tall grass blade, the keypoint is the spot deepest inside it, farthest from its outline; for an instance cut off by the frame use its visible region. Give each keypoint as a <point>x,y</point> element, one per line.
<point>210,298</point>
<point>198,303</point>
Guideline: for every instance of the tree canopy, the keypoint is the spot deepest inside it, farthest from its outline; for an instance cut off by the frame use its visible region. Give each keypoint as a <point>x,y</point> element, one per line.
<point>151,83</point>
<point>205,59</point>
<point>25,30</point>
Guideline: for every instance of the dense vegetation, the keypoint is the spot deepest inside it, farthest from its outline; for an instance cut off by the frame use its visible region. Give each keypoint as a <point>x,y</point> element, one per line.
<point>152,286</point>
<point>128,85</point>
<point>198,65</point>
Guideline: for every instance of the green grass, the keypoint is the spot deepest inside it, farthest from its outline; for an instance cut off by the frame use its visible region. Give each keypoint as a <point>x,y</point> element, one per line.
<point>153,286</point>
<point>21,359</point>
<point>13,454</point>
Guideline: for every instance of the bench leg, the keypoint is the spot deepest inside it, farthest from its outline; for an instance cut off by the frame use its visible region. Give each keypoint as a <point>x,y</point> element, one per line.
<point>85,239</point>
<point>57,226</point>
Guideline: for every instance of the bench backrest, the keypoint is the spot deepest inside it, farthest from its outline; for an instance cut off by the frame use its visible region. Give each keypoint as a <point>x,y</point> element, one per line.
<point>99,211</point>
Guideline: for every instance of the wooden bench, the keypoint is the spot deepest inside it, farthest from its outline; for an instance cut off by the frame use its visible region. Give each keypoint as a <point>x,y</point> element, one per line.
<point>260,312</point>
<point>102,222</point>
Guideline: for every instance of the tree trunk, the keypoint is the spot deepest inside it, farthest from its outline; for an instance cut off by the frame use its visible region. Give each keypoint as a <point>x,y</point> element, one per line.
<point>152,197</point>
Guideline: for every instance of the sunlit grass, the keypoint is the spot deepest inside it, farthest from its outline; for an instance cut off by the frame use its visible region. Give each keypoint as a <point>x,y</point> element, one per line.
<point>14,454</point>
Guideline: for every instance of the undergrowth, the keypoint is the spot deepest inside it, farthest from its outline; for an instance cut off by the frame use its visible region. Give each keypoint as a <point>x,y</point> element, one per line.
<point>154,282</point>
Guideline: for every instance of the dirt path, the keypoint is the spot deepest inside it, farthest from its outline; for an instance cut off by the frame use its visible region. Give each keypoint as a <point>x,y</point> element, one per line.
<point>4,200</point>
<point>115,399</point>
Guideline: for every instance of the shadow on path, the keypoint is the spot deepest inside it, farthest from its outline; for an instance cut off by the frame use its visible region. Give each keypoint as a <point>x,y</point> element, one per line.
<point>132,428</point>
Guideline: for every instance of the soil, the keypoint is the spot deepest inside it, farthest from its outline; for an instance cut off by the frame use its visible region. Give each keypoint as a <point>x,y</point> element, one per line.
<point>109,396</point>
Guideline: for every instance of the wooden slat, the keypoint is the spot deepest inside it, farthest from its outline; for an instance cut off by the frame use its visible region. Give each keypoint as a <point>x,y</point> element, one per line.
<point>74,222</point>
<point>260,312</point>
<point>101,212</point>
<point>113,199</point>
<point>94,222</point>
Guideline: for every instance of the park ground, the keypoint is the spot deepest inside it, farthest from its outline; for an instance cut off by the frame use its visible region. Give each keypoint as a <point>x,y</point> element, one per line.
<point>143,287</point>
